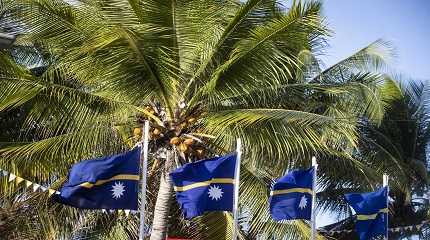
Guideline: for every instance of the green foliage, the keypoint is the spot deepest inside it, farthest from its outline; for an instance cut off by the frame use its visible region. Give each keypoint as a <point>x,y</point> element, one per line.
<point>397,147</point>
<point>247,70</point>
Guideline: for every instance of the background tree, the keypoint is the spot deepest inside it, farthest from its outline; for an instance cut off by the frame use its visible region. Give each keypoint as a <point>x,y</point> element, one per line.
<point>402,138</point>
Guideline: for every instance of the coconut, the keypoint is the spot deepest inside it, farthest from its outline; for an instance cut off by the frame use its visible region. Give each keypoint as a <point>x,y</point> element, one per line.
<point>156,132</point>
<point>175,141</point>
<point>137,131</point>
<point>200,152</point>
<point>188,141</point>
<point>183,147</point>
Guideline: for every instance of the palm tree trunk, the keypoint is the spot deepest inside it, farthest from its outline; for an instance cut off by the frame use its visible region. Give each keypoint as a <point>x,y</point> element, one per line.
<point>162,205</point>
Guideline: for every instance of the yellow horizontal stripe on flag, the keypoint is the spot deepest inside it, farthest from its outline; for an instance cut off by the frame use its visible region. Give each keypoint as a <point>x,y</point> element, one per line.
<point>371,216</point>
<point>203,184</point>
<point>117,177</point>
<point>291,190</point>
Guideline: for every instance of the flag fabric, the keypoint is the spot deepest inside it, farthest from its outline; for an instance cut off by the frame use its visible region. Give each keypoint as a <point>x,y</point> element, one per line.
<point>206,185</point>
<point>371,212</point>
<point>105,183</point>
<point>291,196</point>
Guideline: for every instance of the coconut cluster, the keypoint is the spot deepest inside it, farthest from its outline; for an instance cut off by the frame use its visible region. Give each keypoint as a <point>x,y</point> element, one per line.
<point>177,134</point>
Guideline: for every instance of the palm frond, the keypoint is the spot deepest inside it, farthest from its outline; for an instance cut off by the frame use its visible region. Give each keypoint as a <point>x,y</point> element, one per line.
<point>249,57</point>
<point>371,58</point>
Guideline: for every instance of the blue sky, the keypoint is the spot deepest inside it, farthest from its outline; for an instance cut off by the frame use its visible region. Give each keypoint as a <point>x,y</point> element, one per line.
<point>405,23</point>
<point>356,23</point>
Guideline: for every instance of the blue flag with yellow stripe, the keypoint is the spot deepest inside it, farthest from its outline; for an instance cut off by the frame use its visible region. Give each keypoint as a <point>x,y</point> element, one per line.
<point>105,183</point>
<point>206,185</point>
<point>371,212</point>
<point>291,196</point>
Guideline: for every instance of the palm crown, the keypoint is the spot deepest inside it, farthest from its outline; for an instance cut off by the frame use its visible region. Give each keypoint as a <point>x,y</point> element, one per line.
<point>204,73</point>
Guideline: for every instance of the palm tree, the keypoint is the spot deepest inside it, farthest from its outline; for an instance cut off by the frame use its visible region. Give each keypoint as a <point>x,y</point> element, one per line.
<point>204,72</point>
<point>402,138</point>
<point>404,135</point>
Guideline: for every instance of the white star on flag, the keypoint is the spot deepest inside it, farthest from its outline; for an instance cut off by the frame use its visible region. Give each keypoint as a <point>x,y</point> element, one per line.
<point>118,190</point>
<point>215,192</point>
<point>303,202</point>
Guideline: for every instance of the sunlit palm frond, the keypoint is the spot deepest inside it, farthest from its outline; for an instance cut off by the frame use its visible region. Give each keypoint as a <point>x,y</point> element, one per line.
<point>373,57</point>
<point>250,66</point>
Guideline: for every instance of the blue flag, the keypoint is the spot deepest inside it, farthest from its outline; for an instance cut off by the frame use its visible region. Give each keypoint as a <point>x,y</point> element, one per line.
<point>206,185</point>
<point>106,183</point>
<point>291,196</point>
<point>371,209</point>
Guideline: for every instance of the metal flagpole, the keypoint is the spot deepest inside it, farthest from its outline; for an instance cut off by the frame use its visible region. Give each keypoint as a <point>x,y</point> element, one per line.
<point>313,215</point>
<point>385,184</point>
<point>236,188</point>
<point>144,168</point>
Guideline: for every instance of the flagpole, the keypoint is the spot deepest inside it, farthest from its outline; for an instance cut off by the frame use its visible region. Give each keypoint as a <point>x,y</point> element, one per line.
<point>385,184</point>
<point>143,181</point>
<point>313,214</point>
<point>236,188</point>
